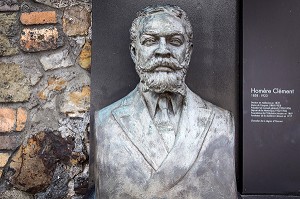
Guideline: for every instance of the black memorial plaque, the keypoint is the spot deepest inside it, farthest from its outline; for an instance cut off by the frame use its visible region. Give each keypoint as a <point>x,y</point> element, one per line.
<point>271,97</point>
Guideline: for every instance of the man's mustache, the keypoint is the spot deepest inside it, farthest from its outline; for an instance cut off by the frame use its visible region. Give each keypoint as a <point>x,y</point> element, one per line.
<point>154,63</point>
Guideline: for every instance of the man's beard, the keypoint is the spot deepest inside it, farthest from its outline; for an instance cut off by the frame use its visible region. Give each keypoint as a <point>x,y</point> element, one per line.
<point>162,81</point>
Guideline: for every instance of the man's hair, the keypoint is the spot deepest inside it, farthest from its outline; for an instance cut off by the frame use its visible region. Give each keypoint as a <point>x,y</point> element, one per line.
<point>170,9</point>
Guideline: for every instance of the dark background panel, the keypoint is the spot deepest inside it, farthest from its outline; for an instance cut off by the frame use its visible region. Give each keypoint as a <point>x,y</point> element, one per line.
<point>271,59</point>
<point>213,72</point>
<point>213,68</point>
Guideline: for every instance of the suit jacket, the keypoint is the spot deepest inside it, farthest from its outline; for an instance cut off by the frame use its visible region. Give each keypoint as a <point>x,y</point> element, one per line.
<point>133,163</point>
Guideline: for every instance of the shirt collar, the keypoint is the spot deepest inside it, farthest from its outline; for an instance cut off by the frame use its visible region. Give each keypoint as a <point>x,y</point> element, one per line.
<point>151,98</point>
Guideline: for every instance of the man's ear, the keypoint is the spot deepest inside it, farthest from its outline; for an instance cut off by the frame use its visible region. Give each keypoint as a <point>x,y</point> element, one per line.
<point>133,52</point>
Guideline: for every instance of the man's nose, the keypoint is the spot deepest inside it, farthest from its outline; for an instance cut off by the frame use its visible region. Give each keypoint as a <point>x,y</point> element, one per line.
<point>162,50</point>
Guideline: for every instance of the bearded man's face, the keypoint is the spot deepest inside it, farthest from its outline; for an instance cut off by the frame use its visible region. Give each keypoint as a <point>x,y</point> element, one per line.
<point>161,53</point>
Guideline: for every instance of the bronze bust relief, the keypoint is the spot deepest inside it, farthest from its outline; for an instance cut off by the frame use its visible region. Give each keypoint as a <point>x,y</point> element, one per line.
<point>162,141</point>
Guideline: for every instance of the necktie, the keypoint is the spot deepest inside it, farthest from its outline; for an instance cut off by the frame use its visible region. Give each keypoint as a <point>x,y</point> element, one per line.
<point>164,125</point>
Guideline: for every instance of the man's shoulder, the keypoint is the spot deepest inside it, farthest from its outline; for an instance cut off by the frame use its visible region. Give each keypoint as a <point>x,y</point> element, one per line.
<point>105,113</point>
<point>216,108</point>
<point>223,119</point>
<point>208,105</point>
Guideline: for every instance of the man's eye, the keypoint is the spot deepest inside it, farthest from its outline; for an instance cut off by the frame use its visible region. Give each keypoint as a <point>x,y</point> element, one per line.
<point>176,41</point>
<point>149,41</point>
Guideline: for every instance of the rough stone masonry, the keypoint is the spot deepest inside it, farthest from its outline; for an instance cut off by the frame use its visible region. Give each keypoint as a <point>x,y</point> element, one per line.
<point>45,61</point>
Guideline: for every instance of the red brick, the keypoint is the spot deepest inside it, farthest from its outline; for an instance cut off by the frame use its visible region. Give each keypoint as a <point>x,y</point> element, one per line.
<point>7,119</point>
<point>21,119</point>
<point>35,40</point>
<point>32,18</point>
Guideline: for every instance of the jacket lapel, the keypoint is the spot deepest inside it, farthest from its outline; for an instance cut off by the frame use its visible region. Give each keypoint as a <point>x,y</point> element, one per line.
<point>193,127</point>
<point>135,120</point>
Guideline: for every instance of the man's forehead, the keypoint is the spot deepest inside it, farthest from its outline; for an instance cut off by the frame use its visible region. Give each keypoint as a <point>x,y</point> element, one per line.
<point>162,23</point>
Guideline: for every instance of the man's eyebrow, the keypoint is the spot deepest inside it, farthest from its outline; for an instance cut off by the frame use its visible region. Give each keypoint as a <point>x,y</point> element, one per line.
<point>149,33</point>
<point>157,33</point>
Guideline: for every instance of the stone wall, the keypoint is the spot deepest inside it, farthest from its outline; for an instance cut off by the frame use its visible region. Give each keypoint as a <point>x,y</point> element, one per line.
<point>45,60</point>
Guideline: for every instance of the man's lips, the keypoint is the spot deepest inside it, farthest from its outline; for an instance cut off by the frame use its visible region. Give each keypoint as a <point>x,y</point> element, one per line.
<point>164,69</point>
